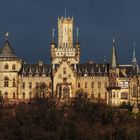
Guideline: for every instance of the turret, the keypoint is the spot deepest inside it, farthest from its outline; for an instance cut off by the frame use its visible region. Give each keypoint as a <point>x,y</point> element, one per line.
<point>114,63</point>
<point>114,70</point>
<point>134,60</point>
<point>53,45</point>
<point>77,45</point>
<point>10,66</point>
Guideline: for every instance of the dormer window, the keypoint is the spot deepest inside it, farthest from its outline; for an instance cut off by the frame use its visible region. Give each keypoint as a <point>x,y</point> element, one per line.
<point>13,67</point>
<point>6,66</point>
<point>14,82</point>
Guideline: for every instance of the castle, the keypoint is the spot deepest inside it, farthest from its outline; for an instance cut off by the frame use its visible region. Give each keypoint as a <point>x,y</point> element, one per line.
<point>65,76</point>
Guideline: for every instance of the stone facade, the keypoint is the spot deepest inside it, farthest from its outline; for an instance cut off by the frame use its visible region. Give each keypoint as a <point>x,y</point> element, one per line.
<point>111,83</point>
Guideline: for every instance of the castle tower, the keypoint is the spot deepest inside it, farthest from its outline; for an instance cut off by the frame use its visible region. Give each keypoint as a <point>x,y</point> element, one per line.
<point>65,49</point>
<point>10,65</point>
<point>65,32</point>
<point>114,70</point>
<point>113,76</point>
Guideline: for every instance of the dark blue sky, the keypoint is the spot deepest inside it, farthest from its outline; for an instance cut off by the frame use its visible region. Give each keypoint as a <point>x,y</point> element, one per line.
<point>30,22</point>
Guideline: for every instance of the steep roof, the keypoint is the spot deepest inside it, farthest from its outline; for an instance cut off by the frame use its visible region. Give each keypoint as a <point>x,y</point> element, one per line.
<point>35,69</point>
<point>7,51</point>
<point>92,69</point>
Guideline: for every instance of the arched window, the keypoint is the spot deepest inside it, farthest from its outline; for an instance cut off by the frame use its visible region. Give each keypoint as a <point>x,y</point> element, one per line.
<point>13,67</point>
<point>99,95</point>
<point>6,95</point>
<point>134,93</point>
<point>6,66</point>
<point>37,85</point>
<point>78,85</point>
<point>23,95</point>
<point>30,85</point>
<point>14,82</point>
<point>64,70</point>
<point>6,82</point>
<point>14,95</point>
<point>92,85</point>
<point>85,84</point>
<point>23,85</point>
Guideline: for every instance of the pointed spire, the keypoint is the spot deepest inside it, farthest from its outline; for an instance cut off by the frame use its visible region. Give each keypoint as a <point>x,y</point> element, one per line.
<point>43,71</point>
<point>134,60</point>
<point>114,55</point>
<point>104,59</point>
<point>30,70</point>
<point>79,71</point>
<point>75,67</point>
<point>106,69</point>
<point>36,71</point>
<point>77,35</point>
<point>6,36</point>
<point>53,35</point>
<point>23,71</point>
<point>92,70</point>
<point>6,50</point>
<point>65,12</point>
<point>85,70</point>
<point>113,38</point>
<point>99,69</point>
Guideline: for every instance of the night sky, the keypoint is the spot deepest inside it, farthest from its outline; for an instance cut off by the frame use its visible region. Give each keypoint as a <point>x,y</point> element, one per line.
<point>30,22</point>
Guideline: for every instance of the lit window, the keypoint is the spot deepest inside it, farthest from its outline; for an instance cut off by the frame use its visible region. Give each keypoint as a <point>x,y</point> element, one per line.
<point>37,85</point>
<point>92,84</point>
<point>23,85</point>
<point>30,85</point>
<point>6,66</point>
<point>13,67</point>
<point>14,82</point>
<point>85,84</point>
<point>6,82</point>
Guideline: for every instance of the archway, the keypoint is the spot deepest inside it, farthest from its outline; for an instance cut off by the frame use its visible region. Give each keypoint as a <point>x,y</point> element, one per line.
<point>66,91</point>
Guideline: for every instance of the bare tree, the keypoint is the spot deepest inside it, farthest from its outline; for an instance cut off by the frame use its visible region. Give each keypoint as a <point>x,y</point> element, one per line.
<point>41,90</point>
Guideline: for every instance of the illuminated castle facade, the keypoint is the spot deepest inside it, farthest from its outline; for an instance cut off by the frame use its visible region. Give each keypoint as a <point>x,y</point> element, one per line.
<point>65,76</point>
